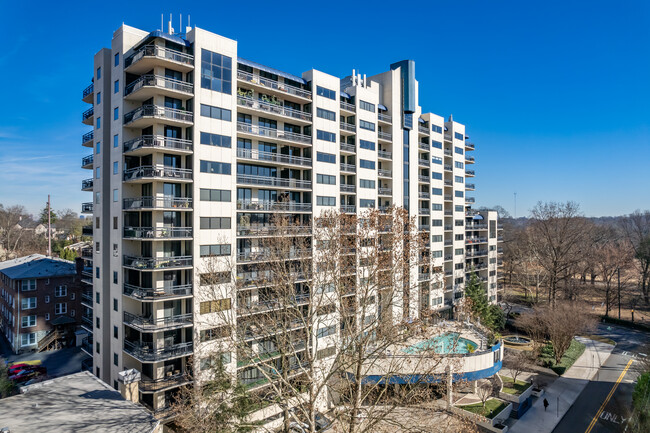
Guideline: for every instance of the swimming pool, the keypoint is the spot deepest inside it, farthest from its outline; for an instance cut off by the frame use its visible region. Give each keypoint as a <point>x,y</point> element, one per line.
<point>446,343</point>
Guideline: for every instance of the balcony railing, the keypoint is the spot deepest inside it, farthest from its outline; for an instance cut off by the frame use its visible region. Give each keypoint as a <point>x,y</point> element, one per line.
<point>87,184</point>
<point>87,160</point>
<point>269,107</point>
<point>87,207</point>
<point>148,352</point>
<point>348,208</point>
<point>350,168</point>
<point>423,146</point>
<point>87,345</point>
<point>88,90</point>
<point>385,173</point>
<point>267,254</point>
<point>271,230</point>
<point>157,232</point>
<point>469,172</point>
<point>448,137</point>
<point>348,188</point>
<point>348,126</point>
<point>385,154</point>
<point>345,147</point>
<point>476,253</point>
<point>157,262</point>
<point>424,211</point>
<point>273,157</point>
<point>87,320</point>
<point>273,206</point>
<point>276,85</point>
<point>164,202</point>
<point>157,172</point>
<point>148,293</point>
<point>87,297</point>
<point>469,186</point>
<point>424,162</point>
<point>273,133</point>
<point>448,152</point>
<point>160,82</point>
<point>88,136</point>
<point>87,231</point>
<point>163,383</point>
<point>424,178</point>
<point>423,129</point>
<point>476,226</point>
<point>384,118</point>
<point>448,197</point>
<point>158,141</point>
<point>385,191</point>
<point>475,240</point>
<point>160,53</point>
<point>470,199</point>
<point>348,107</point>
<point>152,325</point>
<point>160,112</point>
<point>469,159</point>
<point>423,276</point>
<point>250,179</point>
<point>385,136</point>
<point>424,194</point>
<point>448,167</point>
<point>469,145</point>
<point>88,114</point>
<point>448,182</point>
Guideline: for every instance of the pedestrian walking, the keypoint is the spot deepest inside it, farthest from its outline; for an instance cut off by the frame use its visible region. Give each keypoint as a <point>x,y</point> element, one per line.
<point>545,404</point>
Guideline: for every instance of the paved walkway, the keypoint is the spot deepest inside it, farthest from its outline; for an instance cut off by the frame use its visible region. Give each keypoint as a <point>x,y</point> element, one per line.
<point>564,391</point>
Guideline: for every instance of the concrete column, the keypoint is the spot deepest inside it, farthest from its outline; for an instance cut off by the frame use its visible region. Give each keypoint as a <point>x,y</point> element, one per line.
<point>475,387</point>
<point>129,384</point>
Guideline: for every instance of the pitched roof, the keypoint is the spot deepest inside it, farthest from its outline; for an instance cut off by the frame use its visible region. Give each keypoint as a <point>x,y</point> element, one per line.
<point>37,266</point>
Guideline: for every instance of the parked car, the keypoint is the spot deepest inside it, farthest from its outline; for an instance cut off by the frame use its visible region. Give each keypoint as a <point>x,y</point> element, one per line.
<point>15,368</point>
<point>25,375</point>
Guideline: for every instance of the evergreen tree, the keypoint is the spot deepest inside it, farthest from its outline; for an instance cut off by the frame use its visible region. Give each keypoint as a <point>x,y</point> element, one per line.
<point>68,254</point>
<point>43,216</point>
<point>491,316</point>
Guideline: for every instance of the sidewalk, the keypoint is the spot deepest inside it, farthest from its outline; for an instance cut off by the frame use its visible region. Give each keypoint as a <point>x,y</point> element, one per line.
<point>564,390</point>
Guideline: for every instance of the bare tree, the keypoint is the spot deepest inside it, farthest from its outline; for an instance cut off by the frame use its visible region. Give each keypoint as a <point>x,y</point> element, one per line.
<point>11,233</point>
<point>636,227</point>
<point>484,391</point>
<point>517,362</point>
<point>611,256</point>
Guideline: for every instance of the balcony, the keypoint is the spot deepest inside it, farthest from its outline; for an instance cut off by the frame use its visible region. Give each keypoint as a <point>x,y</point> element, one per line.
<point>272,230</point>
<point>272,157</point>
<point>149,324</point>
<point>469,146</point>
<point>147,352</point>
<point>448,167</point>
<point>348,168</point>
<point>87,139</point>
<point>87,94</point>
<point>162,203</point>
<point>448,242</point>
<point>448,182</point>
<point>385,191</point>
<point>258,279</point>
<point>87,231</point>
<point>448,137</point>
<point>478,253</point>
<point>424,179</point>
<point>87,345</point>
<point>273,206</point>
<point>386,136</point>
<point>470,200</point>
<point>469,173</point>
<point>250,104</point>
<point>146,143</point>
<point>475,240</point>
<point>448,227</point>
<point>423,146</point>
<point>149,56</point>
<point>448,152</point>
<point>262,306</point>
<point>87,162</point>
<point>142,117</point>
<point>424,227</point>
<point>163,233</point>
<point>87,299</point>
<point>424,276</point>
<point>348,208</point>
<point>476,226</point>
<point>469,187</point>
<point>275,134</point>
<point>424,162</point>
<point>164,383</point>
<point>348,188</point>
<point>157,263</point>
<point>87,184</point>
<point>349,127</point>
<point>469,159</point>
<point>148,86</point>
<point>87,323</point>
<point>349,148</point>
<point>88,116</point>
<point>385,154</point>
<point>263,254</point>
<point>423,129</point>
<point>348,107</point>
<point>424,211</point>
<point>385,173</point>
<point>159,293</point>
<point>87,208</point>
<point>448,197</point>
<point>274,85</point>
<point>249,179</point>
<point>386,118</point>
<point>148,173</point>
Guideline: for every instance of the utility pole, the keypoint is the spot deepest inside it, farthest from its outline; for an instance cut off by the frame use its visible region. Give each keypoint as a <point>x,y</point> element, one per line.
<point>618,270</point>
<point>515,205</point>
<point>49,228</point>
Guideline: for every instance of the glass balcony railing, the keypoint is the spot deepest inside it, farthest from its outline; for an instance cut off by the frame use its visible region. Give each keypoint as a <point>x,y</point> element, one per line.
<point>161,172</point>
<point>269,107</point>
<point>88,136</point>
<point>273,157</point>
<point>272,206</point>
<point>157,232</point>
<point>273,133</point>
<point>384,173</point>
<point>347,127</point>
<point>149,294</point>
<point>385,154</point>
<point>87,160</point>
<point>385,136</point>
<point>88,90</point>
<point>157,142</point>
<point>155,263</point>
<point>348,107</point>
<point>273,181</point>
<point>157,111</point>
<point>160,82</point>
<point>150,324</point>
<point>350,168</point>
<point>348,208</point>
<point>87,184</point>
<point>165,202</point>
<point>148,352</point>
<point>385,118</point>
<point>160,53</point>
<point>87,208</point>
<point>385,191</point>
<point>164,383</point>
<point>272,84</point>
<point>88,114</point>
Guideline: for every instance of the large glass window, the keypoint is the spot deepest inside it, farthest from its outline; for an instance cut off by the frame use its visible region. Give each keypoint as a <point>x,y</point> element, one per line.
<point>326,157</point>
<point>365,144</point>
<point>325,114</point>
<point>364,163</point>
<point>216,72</point>
<point>215,167</point>
<point>215,139</point>
<point>216,112</point>
<point>327,93</point>
<point>366,125</point>
<point>327,136</point>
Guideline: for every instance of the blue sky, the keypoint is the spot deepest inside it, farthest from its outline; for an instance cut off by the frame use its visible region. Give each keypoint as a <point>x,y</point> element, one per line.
<point>555,94</point>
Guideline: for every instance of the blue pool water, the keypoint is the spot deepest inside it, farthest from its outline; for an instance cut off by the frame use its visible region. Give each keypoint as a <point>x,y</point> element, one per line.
<point>446,343</point>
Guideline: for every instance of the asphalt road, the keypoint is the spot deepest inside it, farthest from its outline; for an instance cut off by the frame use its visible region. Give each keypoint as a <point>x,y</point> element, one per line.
<point>604,404</point>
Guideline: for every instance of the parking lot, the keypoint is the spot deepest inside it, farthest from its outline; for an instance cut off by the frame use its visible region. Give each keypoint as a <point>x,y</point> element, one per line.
<point>58,362</point>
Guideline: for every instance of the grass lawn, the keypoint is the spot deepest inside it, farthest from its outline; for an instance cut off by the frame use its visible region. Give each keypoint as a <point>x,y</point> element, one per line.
<point>514,388</point>
<point>492,408</point>
<point>575,350</point>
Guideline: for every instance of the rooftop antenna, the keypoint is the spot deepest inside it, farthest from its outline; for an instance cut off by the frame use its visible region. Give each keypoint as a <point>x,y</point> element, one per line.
<point>180,23</point>
<point>162,25</point>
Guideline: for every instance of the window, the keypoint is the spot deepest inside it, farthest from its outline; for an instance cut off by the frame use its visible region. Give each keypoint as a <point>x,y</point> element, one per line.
<point>459,223</point>
<point>365,183</point>
<point>459,193</point>
<point>436,128</point>
<point>115,359</point>
<point>216,72</point>
<point>114,223</point>
<point>436,223</point>
<point>28,339</point>
<point>215,139</point>
<point>459,208</point>
<point>97,348</point>
<point>436,238</point>
<point>117,59</point>
<point>215,250</point>
<point>116,113</point>
<point>459,251</point>
<point>60,291</point>
<point>116,141</point>
<point>436,191</point>
<point>325,331</point>
<point>458,150</point>
<point>436,160</point>
<point>215,167</point>
<point>366,125</point>
<point>215,306</point>
<point>459,237</point>
<point>458,266</point>
<point>116,86</point>
<point>97,272</point>
<point>459,164</point>
<point>326,353</point>
<point>99,73</point>
<point>215,222</point>
<point>115,331</point>
<point>99,148</point>
<point>99,122</point>
<point>366,106</point>
<point>326,179</point>
<point>60,308</point>
<point>436,175</point>
<point>216,112</point>
<point>325,114</point>
<point>115,304</point>
<point>97,322</point>
<point>97,249</point>
<point>98,172</point>
<point>436,254</point>
<point>115,167</point>
<point>28,285</point>
<point>47,299</point>
<point>215,195</point>
<point>326,157</point>
<point>366,203</point>
<point>28,321</point>
<point>47,316</point>
<point>325,201</point>
<point>458,136</point>
<point>459,179</point>
<point>28,303</point>
<point>115,195</point>
<point>436,206</point>
<point>215,278</point>
<point>365,144</point>
<point>364,163</point>
<point>99,98</point>
<point>97,197</point>
<point>436,144</point>
<point>214,333</point>
<point>326,136</point>
<point>327,93</point>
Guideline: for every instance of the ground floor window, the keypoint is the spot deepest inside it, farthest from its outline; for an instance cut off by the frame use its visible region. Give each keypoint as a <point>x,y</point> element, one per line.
<point>28,339</point>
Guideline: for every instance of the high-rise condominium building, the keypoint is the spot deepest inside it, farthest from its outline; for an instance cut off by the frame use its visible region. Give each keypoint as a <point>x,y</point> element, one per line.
<point>194,149</point>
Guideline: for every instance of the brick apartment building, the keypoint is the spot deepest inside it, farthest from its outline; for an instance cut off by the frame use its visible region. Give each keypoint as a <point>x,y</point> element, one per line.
<point>40,302</point>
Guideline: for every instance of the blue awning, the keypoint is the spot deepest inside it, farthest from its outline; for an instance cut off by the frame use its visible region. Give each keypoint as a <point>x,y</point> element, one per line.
<point>345,95</point>
<point>382,107</point>
<point>271,70</point>
<point>478,217</point>
<point>161,35</point>
<point>421,120</point>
